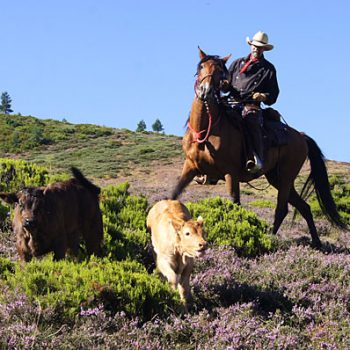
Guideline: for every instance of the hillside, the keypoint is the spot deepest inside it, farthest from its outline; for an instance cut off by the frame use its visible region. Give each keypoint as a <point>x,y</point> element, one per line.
<point>100,152</point>
<point>150,162</point>
<point>283,294</point>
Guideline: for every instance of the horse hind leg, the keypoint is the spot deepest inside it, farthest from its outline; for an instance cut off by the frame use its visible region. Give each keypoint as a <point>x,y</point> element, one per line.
<point>187,175</point>
<point>304,210</point>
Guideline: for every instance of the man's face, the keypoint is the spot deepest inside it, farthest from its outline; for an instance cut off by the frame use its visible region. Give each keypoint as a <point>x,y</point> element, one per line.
<point>256,51</point>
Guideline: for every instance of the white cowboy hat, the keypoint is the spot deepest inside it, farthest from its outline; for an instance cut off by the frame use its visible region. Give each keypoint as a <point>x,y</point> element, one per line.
<point>260,39</point>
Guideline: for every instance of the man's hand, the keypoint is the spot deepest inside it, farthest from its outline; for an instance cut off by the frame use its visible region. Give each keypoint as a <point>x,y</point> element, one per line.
<point>258,96</point>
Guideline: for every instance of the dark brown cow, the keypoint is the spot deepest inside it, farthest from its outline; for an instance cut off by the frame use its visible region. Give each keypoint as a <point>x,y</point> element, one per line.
<point>56,218</point>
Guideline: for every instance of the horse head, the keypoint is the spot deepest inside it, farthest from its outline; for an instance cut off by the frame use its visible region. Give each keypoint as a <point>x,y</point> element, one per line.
<point>211,70</point>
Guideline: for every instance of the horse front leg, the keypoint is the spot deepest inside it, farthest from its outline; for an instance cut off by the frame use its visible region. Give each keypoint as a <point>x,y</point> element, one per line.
<point>187,175</point>
<point>232,186</point>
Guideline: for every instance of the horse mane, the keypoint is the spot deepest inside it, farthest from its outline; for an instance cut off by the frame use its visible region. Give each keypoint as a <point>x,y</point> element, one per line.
<point>215,58</point>
<point>233,117</point>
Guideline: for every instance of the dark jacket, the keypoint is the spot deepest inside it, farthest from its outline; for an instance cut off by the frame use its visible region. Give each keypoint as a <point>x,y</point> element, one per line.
<point>259,77</point>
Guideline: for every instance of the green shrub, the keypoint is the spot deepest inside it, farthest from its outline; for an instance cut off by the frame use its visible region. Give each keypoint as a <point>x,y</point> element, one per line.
<point>124,218</point>
<point>66,287</point>
<point>16,174</point>
<point>262,203</point>
<point>341,194</point>
<point>6,266</point>
<point>232,225</point>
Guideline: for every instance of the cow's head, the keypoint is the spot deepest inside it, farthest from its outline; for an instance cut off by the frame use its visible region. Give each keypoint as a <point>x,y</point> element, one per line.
<point>190,237</point>
<point>30,217</point>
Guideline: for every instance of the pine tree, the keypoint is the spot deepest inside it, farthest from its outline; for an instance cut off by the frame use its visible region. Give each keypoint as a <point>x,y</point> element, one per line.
<point>157,126</point>
<point>141,126</point>
<point>5,106</point>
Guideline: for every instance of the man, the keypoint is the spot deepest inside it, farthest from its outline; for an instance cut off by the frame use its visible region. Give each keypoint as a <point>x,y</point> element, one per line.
<point>253,80</point>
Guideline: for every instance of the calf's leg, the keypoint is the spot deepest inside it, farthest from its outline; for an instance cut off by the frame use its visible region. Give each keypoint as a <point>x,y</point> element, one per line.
<point>166,270</point>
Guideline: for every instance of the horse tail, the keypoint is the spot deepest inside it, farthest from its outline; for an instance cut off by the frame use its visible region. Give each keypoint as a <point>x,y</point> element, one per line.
<point>318,179</point>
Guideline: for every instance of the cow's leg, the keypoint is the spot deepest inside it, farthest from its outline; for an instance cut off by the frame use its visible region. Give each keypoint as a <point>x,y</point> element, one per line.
<point>184,285</point>
<point>74,243</point>
<point>59,248</point>
<point>23,250</point>
<point>187,175</point>
<point>93,236</point>
<point>166,270</point>
<point>232,186</point>
<point>304,210</point>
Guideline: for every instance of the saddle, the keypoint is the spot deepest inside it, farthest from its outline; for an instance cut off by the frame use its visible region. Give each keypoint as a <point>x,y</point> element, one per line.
<point>274,131</point>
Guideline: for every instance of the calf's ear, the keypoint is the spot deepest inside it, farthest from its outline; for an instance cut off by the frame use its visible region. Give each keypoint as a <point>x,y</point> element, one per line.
<point>9,198</point>
<point>200,221</point>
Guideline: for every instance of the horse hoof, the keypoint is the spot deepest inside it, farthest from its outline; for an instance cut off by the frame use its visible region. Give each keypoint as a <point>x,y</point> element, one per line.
<point>200,180</point>
<point>316,244</point>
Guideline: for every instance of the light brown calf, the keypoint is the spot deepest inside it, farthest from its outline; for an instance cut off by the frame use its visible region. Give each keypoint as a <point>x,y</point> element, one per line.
<point>176,240</point>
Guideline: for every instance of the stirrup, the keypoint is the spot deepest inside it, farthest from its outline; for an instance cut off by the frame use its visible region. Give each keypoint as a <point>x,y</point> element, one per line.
<point>253,166</point>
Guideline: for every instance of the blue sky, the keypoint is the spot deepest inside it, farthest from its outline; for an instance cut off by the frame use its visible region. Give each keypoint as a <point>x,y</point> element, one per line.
<point>114,63</point>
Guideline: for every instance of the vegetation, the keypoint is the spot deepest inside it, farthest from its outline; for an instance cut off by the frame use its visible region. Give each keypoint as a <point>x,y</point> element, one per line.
<point>124,218</point>
<point>341,192</point>
<point>5,106</point>
<point>157,126</point>
<point>231,225</point>
<point>66,287</point>
<point>141,126</point>
<point>96,150</point>
<point>249,292</point>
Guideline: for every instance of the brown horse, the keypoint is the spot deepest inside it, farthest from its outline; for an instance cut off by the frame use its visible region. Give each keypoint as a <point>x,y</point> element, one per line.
<point>214,145</point>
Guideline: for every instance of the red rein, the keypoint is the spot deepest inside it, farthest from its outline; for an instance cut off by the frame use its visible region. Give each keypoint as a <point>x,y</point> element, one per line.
<point>197,134</point>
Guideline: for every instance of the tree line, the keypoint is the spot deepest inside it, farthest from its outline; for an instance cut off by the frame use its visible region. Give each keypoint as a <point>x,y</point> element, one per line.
<point>157,126</point>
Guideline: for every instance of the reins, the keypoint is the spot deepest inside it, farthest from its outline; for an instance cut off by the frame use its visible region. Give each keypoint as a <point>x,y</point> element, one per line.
<point>258,189</point>
<point>197,134</point>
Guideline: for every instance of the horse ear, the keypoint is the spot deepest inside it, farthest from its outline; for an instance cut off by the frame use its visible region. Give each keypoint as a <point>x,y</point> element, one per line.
<point>202,54</point>
<point>226,58</point>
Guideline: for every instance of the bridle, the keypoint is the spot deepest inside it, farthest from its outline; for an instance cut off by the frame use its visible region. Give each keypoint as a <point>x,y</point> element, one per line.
<point>197,134</point>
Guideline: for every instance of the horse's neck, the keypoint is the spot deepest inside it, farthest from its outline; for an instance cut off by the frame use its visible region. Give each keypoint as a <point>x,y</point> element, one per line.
<point>199,117</point>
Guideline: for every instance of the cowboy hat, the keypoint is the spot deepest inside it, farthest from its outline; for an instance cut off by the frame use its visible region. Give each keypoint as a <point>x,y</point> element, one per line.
<point>260,39</point>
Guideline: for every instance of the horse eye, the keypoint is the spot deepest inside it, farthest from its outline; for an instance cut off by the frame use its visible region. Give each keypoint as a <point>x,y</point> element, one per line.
<point>187,233</point>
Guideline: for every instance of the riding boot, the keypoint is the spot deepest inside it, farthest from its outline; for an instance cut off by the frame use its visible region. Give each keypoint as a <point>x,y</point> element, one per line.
<point>255,135</point>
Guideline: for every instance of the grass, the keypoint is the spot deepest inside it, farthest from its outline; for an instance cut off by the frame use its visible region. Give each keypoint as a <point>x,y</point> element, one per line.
<point>98,151</point>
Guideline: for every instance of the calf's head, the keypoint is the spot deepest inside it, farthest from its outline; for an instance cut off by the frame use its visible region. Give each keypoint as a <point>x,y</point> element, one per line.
<point>30,217</point>
<point>190,240</point>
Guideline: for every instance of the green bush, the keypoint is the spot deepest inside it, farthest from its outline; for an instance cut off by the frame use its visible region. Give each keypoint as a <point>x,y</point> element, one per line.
<point>262,203</point>
<point>66,287</point>
<point>16,174</point>
<point>124,219</point>
<point>6,266</point>
<point>232,225</point>
<point>341,193</point>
